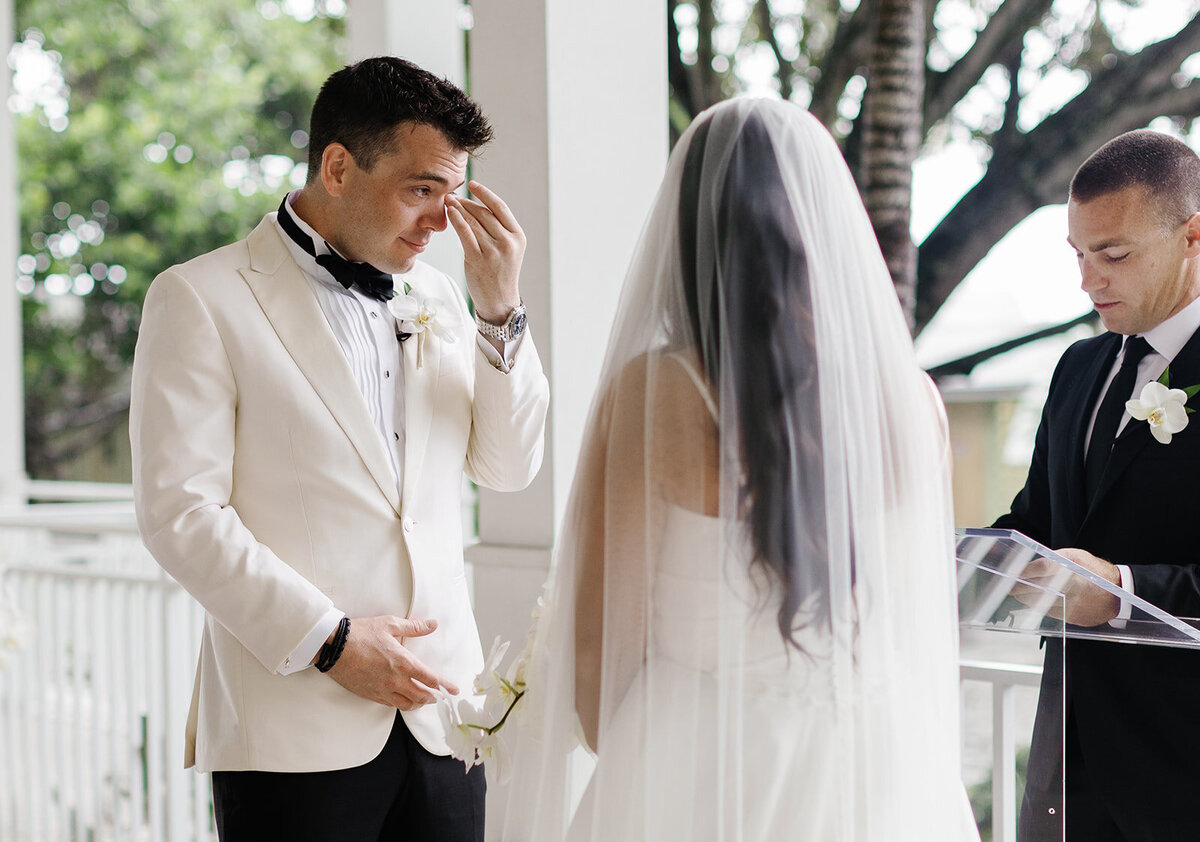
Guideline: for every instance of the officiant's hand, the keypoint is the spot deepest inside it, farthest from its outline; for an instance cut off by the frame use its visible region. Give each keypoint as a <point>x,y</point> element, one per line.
<point>1086,604</point>
<point>493,248</point>
<point>376,665</point>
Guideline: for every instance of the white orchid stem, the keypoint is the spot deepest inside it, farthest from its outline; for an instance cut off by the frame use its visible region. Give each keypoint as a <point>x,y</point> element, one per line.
<point>493,729</point>
<point>504,718</point>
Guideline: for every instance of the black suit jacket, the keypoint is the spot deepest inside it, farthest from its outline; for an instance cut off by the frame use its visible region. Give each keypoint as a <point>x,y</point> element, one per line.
<point>1136,709</point>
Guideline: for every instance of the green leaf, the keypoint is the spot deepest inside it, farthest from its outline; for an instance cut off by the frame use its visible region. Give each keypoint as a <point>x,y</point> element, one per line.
<point>1192,390</point>
<point>1165,379</point>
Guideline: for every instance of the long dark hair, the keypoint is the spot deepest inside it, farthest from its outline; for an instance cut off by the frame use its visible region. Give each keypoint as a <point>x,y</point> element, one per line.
<point>755,316</point>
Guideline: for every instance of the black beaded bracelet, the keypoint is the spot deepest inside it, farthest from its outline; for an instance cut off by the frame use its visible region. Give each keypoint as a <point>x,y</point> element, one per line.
<point>331,651</point>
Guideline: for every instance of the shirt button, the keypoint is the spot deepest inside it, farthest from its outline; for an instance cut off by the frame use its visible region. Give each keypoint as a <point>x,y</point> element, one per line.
<point>396,436</point>
<point>387,373</point>
<point>408,524</point>
<point>374,315</point>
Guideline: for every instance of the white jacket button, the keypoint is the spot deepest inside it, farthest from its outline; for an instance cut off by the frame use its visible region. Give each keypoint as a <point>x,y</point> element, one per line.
<point>408,524</point>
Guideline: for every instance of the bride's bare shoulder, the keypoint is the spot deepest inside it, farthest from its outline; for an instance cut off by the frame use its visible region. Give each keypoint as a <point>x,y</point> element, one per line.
<point>667,383</point>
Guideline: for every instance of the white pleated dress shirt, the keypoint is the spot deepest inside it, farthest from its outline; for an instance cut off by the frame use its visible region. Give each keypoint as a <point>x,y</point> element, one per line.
<point>366,331</point>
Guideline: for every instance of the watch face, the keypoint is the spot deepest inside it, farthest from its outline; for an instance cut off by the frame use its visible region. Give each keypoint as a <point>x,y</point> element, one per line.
<point>517,326</point>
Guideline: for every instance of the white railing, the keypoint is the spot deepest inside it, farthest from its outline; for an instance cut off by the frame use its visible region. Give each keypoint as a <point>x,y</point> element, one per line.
<point>92,707</point>
<point>1005,679</point>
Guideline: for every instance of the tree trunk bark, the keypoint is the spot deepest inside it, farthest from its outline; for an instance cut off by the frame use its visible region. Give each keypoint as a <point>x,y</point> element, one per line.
<point>892,133</point>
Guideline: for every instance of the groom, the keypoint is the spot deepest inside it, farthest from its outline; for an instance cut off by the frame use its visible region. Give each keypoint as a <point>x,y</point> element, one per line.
<point>1122,504</point>
<point>299,470</point>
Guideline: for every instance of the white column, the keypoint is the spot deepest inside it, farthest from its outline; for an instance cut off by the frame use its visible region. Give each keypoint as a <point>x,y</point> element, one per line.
<point>12,396</point>
<point>577,94</point>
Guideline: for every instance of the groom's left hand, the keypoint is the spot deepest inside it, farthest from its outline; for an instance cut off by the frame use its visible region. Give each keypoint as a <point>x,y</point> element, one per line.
<point>493,250</point>
<point>1086,604</point>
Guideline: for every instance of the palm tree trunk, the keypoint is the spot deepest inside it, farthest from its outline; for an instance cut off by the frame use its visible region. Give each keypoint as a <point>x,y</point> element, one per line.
<point>892,132</point>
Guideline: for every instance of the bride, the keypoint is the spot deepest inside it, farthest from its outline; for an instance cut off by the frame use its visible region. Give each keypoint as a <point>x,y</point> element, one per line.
<point>751,621</point>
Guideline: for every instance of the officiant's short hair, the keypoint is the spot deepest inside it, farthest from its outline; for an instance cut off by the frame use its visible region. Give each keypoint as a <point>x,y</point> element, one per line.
<point>361,106</point>
<point>1166,168</point>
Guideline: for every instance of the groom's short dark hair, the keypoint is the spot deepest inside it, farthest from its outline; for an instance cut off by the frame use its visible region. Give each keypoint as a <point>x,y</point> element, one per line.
<point>360,107</point>
<point>1166,168</point>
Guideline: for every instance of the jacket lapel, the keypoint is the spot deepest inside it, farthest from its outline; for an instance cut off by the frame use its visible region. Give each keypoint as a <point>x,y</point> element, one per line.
<point>1185,371</point>
<point>420,384</point>
<point>1087,388</point>
<point>293,312</point>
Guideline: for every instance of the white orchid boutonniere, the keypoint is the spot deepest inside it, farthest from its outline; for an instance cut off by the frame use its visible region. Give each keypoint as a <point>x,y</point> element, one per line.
<point>422,316</point>
<point>1162,407</point>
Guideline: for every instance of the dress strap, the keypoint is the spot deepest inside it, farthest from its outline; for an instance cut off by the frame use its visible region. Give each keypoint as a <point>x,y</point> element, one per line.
<point>701,384</point>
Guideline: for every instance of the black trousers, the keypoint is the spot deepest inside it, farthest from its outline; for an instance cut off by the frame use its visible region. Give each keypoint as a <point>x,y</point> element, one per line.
<point>404,793</point>
<point>1088,818</point>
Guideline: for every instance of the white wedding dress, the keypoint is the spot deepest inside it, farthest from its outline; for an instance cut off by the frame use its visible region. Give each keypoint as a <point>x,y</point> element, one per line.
<point>786,731</point>
<point>795,476</point>
<point>781,760</point>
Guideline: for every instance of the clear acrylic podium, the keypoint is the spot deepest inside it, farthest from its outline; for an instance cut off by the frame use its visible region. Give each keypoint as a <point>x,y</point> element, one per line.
<point>1009,584</point>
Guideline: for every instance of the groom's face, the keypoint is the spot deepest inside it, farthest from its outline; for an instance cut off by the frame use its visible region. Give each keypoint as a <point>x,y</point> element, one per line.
<point>386,215</point>
<point>1134,267</point>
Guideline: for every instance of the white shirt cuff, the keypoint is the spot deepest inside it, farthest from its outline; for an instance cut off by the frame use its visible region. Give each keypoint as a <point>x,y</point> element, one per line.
<point>302,656</point>
<point>499,362</point>
<point>1126,609</point>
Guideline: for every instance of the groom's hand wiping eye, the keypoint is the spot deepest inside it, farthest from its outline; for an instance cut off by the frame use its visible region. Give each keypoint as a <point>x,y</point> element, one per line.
<point>493,250</point>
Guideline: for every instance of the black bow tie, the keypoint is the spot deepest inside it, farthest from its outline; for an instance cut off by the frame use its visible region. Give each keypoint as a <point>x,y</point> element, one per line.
<point>366,277</point>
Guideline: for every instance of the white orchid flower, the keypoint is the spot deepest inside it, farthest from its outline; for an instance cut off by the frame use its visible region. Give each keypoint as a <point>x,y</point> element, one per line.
<point>423,317</point>
<point>1162,408</point>
<point>497,703</point>
<point>493,749</point>
<point>474,734</point>
<point>489,677</point>
<point>516,673</point>
<point>460,736</point>
<point>418,315</point>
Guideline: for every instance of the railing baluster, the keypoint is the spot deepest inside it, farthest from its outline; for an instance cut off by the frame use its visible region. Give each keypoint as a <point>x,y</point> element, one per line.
<point>1004,765</point>
<point>1004,678</point>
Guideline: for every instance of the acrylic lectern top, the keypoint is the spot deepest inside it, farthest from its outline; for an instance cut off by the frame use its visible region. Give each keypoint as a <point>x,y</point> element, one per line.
<point>1008,582</point>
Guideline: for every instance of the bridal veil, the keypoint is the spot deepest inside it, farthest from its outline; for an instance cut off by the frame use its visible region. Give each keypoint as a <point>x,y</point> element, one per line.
<point>751,618</point>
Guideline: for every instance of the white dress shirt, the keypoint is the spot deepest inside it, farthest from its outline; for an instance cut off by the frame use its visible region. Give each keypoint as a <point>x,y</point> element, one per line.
<point>366,331</point>
<point>1166,340</point>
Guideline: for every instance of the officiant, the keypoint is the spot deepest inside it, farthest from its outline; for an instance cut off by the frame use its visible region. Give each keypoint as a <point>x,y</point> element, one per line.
<point>1119,495</point>
<point>305,404</point>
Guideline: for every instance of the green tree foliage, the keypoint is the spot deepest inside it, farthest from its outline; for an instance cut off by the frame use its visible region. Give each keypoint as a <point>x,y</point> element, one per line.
<point>148,132</point>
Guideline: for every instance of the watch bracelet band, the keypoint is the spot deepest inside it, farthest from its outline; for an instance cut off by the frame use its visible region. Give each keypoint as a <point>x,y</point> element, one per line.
<point>505,332</point>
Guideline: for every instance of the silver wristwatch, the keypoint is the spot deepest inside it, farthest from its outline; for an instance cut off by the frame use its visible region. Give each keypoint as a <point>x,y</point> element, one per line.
<point>513,327</point>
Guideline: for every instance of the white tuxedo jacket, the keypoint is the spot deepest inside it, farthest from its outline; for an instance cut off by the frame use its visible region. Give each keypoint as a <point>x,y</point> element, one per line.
<point>262,486</point>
